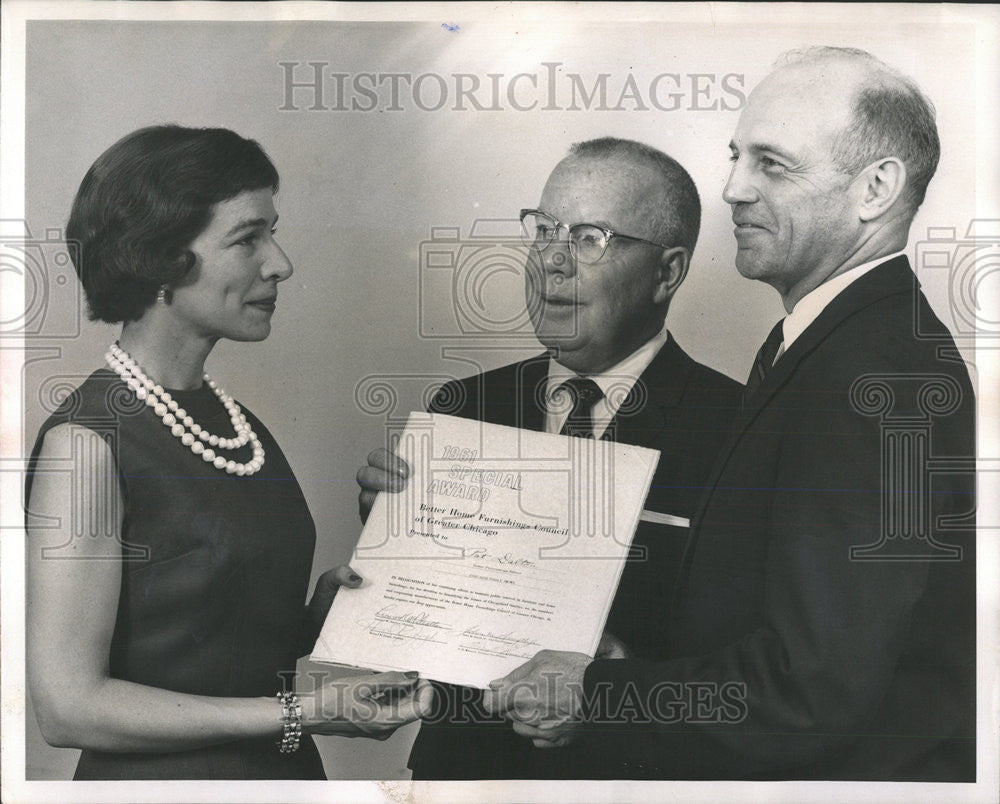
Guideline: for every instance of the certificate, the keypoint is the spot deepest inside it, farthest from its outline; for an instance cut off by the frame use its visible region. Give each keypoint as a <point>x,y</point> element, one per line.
<point>505,542</point>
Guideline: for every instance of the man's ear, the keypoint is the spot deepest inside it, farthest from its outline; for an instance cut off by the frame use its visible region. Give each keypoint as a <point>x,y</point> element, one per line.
<point>883,182</point>
<point>672,269</point>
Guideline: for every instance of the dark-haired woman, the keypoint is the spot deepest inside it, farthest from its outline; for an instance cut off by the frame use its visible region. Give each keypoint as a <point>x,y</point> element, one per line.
<point>167,573</point>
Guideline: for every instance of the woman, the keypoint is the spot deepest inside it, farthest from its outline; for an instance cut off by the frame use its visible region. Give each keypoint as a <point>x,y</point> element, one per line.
<point>167,572</point>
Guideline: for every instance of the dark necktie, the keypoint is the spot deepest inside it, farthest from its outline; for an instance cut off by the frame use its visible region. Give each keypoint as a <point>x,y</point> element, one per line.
<point>764,360</point>
<point>585,394</point>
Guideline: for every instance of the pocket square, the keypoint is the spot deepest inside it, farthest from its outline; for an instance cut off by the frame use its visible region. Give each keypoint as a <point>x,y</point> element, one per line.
<point>664,519</point>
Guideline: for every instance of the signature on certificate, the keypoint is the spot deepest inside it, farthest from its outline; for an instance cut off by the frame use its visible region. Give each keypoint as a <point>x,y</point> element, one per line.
<point>504,559</point>
<point>400,624</point>
<point>497,643</point>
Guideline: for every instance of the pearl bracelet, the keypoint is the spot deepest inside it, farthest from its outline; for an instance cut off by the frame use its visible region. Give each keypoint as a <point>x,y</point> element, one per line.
<point>291,716</point>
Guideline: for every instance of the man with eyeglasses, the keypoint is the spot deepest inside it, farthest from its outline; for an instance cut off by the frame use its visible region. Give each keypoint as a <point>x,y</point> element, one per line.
<point>608,246</point>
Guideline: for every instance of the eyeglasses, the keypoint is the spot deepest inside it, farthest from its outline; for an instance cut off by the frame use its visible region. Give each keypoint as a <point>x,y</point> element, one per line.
<point>587,241</point>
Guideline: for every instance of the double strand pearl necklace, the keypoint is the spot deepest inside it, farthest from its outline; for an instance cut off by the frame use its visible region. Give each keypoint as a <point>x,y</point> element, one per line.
<point>182,426</point>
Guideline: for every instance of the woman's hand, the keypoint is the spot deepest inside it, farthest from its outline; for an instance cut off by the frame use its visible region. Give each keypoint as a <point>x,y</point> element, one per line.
<point>326,589</point>
<point>366,706</point>
<point>72,609</point>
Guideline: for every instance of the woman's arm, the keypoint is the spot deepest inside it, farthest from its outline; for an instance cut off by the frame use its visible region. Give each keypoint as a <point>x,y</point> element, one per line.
<point>73,580</point>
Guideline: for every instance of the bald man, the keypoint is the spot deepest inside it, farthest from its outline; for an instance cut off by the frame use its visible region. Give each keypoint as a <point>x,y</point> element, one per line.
<point>823,625</point>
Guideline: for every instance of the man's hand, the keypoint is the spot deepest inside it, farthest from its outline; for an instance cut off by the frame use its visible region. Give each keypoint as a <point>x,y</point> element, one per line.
<point>385,471</point>
<point>611,647</point>
<point>542,697</point>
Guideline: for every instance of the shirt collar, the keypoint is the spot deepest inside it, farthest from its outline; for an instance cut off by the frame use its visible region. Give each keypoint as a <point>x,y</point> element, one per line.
<point>808,308</point>
<point>629,369</point>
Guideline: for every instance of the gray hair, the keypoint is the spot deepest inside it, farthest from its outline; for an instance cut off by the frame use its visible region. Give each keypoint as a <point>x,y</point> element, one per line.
<point>680,220</point>
<point>891,117</point>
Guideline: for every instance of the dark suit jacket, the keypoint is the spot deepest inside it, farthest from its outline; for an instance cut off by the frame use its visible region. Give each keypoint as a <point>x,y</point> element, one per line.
<point>824,624</point>
<point>679,407</point>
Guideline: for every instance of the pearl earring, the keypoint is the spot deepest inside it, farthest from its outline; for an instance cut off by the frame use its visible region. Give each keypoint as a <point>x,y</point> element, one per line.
<point>161,295</point>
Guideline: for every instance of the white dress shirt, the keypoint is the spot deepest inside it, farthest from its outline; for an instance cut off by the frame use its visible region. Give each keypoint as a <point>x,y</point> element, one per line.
<point>615,383</point>
<point>815,301</point>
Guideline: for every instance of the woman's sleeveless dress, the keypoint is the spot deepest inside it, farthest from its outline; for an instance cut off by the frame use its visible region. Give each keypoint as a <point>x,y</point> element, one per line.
<point>215,570</point>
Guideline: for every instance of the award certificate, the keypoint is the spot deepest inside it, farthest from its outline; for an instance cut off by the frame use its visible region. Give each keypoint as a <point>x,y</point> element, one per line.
<point>505,542</point>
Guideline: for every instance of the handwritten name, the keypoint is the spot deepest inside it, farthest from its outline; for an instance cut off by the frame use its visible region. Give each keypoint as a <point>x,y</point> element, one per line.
<point>507,644</point>
<point>482,554</point>
<point>389,614</point>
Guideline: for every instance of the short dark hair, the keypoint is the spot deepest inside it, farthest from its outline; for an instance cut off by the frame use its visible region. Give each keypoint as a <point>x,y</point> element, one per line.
<point>681,218</point>
<point>890,117</point>
<point>142,203</point>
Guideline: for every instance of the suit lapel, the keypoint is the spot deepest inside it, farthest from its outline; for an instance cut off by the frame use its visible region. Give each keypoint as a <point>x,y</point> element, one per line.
<point>530,383</point>
<point>884,280</point>
<point>642,415</point>
<point>889,278</point>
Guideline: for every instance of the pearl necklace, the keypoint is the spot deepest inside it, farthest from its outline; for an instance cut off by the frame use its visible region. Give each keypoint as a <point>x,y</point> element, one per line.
<point>182,426</point>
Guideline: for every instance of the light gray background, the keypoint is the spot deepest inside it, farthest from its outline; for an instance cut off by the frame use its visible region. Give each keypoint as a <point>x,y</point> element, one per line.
<point>362,190</point>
